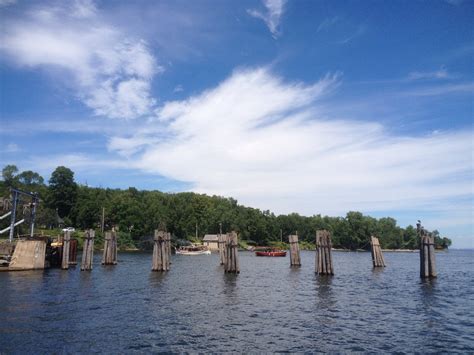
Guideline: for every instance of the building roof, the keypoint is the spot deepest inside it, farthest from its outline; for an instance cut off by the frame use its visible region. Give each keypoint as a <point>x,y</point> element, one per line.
<point>210,238</point>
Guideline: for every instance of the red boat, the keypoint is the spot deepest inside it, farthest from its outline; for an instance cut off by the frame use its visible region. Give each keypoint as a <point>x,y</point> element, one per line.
<point>270,252</point>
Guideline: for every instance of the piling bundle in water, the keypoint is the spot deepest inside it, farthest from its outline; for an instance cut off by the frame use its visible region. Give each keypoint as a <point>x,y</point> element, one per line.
<point>231,264</point>
<point>377,256</point>
<point>427,256</point>
<point>323,253</point>
<point>161,251</point>
<point>221,241</point>
<point>88,250</point>
<point>295,259</point>
<point>110,249</point>
<point>73,251</point>
<point>65,250</point>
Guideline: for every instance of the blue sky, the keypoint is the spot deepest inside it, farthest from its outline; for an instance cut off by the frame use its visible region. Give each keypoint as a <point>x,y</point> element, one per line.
<point>293,106</point>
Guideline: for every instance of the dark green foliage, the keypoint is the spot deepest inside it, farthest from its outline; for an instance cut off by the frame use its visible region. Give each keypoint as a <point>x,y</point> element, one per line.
<point>137,214</point>
<point>62,191</point>
<point>9,176</point>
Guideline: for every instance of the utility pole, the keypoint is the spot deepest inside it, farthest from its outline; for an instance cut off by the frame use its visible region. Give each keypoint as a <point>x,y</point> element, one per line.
<point>196,231</point>
<point>102,221</point>
<point>220,228</point>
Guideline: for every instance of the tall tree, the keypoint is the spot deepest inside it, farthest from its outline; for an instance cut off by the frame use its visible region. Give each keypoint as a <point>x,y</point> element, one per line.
<point>62,191</point>
<point>30,178</point>
<point>9,175</point>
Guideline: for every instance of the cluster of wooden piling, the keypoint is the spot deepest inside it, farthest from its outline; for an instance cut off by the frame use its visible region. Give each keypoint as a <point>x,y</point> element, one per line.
<point>65,250</point>
<point>376,251</point>
<point>221,243</point>
<point>109,256</point>
<point>73,243</point>
<point>295,259</point>
<point>323,253</point>
<point>161,251</point>
<point>88,250</point>
<point>427,253</point>
<point>231,263</point>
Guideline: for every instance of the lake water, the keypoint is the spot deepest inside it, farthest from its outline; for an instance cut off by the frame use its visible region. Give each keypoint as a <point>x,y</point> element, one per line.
<point>268,307</point>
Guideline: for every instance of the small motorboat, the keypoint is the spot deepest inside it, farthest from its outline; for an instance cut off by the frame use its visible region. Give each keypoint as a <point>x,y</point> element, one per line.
<point>193,250</point>
<point>270,252</point>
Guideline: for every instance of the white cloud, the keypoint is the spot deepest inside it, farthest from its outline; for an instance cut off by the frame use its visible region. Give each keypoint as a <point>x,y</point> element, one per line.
<point>327,23</point>
<point>178,88</point>
<point>271,16</point>
<point>437,74</point>
<point>359,31</point>
<point>10,148</point>
<point>436,90</point>
<point>112,73</point>
<point>270,144</point>
<point>5,3</point>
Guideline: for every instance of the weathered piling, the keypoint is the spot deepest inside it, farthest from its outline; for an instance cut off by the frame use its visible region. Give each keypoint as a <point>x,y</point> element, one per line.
<point>427,256</point>
<point>65,250</point>
<point>324,264</point>
<point>88,250</point>
<point>427,252</point>
<point>295,259</point>
<point>376,251</point>
<point>221,242</point>
<point>73,251</point>
<point>161,251</point>
<point>109,257</point>
<point>231,264</point>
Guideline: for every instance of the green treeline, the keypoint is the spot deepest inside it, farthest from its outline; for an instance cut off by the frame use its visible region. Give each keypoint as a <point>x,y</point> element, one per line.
<point>137,213</point>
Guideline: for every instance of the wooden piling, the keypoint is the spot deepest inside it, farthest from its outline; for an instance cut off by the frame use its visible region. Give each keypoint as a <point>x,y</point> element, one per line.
<point>231,264</point>
<point>295,259</point>
<point>88,250</point>
<point>324,264</point>
<point>221,242</point>
<point>109,256</point>
<point>427,256</point>
<point>73,251</point>
<point>161,251</point>
<point>376,251</point>
<point>65,250</point>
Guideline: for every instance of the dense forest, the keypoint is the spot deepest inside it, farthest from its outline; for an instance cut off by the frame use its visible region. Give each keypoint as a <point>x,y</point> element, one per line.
<point>137,213</point>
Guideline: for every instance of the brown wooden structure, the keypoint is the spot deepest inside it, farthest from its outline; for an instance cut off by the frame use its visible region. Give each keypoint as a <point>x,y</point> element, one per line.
<point>88,250</point>
<point>65,250</point>
<point>161,251</point>
<point>376,251</point>
<point>324,264</point>
<point>221,242</point>
<point>109,257</point>
<point>427,253</point>
<point>295,259</point>
<point>29,254</point>
<point>231,264</point>
<point>73,251</point>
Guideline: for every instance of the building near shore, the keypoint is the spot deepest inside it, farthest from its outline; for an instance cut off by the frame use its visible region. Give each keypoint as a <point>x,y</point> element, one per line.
<point>211,241</point>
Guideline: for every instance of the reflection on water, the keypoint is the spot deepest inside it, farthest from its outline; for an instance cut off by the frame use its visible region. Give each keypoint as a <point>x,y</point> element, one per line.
<point>268,307</point>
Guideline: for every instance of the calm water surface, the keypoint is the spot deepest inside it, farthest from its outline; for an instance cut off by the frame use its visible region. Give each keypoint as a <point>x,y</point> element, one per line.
<point>268,307</point>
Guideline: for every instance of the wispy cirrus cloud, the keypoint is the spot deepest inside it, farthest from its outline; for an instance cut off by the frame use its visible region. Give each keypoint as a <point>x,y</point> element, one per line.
<point>4,3</point>
<point>327,23</point>
<point>436,90</point>
<point>112,72</point>
<point>271,16</point>
<point>359,31</point>
<point>268,142</point>
<point>441,73</point>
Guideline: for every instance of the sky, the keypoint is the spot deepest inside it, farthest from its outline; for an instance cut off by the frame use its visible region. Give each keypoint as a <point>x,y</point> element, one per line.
<point>314,107</point>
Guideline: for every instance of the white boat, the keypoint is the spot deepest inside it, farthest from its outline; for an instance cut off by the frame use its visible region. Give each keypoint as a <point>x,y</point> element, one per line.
<point>193,250</point>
